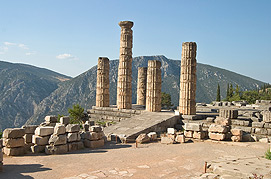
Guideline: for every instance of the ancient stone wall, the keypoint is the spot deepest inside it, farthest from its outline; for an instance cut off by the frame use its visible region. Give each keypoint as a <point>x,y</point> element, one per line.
<point>187,104</point>
<point>154,85</point>
<point>102,90</point>
<point>124,86</point>
<point>141,85</point>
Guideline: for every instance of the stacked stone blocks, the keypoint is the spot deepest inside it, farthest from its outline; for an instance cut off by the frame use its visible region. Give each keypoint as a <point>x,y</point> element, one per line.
<point>13,141</point>
<point>29,132</point>
<point>94,138</point>
<point>41,138</point>
<point>194,130</point>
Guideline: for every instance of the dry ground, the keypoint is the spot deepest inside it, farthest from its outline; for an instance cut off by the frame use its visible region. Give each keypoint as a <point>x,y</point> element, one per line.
<point>152,160</point>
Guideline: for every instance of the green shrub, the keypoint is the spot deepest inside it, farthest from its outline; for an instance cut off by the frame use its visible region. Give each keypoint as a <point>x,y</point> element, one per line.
<point>268,154</point>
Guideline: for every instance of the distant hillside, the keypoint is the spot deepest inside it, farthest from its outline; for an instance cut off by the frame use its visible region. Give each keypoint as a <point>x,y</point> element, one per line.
<point>82,89</point>
<point>22,88</point>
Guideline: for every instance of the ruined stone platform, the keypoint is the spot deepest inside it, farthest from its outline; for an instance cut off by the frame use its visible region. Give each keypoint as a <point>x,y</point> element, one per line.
<point>142,123</point>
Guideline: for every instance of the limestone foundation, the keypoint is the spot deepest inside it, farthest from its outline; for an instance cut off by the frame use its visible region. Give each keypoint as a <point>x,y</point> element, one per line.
<point>187,104</point>
<point>124,86</point>
<point>154,81</point>
<point>102,90</point>
<point>141,85</point>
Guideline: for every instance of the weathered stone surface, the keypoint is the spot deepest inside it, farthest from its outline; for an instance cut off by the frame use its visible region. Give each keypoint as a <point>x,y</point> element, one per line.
<point>30,129</point>
<point>217,136</point>
<point>72,137</point>
<point>188,134</point>
<point>38,148</point>
<point>95,129</point>
<point>89,135</point>
<point>187,104</point>
<point>199,135</point>
<point>180,138</point>
<point>14,151</point>
<point>40,140</point>
<point>44,131</point>
<point>141,86</point>
<point>218,128</point>
<point>73,128</point>
<point>258,124</point>
<point>267,116</point>
<point>171,131</point>
<point>28,138</point>
<point>192,127</point>
<point>65,120</point>
<point>236,138</point>
<point>58,139</point>
<point>167,140</point>
<point>237,132</point>
<point>102,85</point>
<point>56,149</point>
<point>86,127</point>
<point>210,119</point>
<point>152,136</point>
<point>228,113</point>
<point>261,131</point>
<point>264,140</point>
<point>13,133</point>
<point>143,138</point>
<point>223,121</point>
<point>100,135</point>
<point>18,142</point>
<point>75,146</point>
<point>94,144</point>
<point>59,129</point>
<point>247,138</point>
<point>154,86</point>
<point>244,129</point>
<point>51,119</point>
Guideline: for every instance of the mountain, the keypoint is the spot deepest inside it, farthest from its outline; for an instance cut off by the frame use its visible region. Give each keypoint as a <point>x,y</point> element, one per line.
<point>22,88</point>
<point>82,89</point>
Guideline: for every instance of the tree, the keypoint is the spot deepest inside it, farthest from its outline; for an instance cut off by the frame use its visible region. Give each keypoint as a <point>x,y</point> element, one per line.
<point>228,92</point>
<point>218,97</point>
<point>237,90</point>
<point>166,100</point>
<point>76,114</point>
<point>231,91</point>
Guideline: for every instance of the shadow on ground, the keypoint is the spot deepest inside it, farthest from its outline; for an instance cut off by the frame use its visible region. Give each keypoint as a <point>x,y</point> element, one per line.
<point>18,171</point>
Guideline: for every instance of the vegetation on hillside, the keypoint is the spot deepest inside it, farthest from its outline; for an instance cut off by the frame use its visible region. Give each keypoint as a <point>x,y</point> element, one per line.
<point>166,101</point>
<point>76,114</point>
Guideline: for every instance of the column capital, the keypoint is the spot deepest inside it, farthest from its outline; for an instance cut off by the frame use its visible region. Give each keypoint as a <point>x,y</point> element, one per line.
<point>126,24</point>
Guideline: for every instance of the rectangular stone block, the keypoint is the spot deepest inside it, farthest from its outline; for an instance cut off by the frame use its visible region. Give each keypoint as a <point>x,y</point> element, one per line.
<point>217,128</point>
<point>10,143</point>
<point>59,129</point>
<point>65,120</point>
<point>180,138</point>
<point>100,135</point>
<point>58,139</point>
<point>237,132</point>
<point>217,136</point>
<point>192,127</point>
<point>199,135</point>
<point>261,131</point>
<point>223,121</point>
<point>51,119</point>
<point>56,149</point>
<point>236,138</point>
<point>95,129</point>
<point>188,134</point>
<point>14,151</point>
<point>30,129</point>
<point>258,124</point>
<point>75,146</point>
<point>13,133</point>
<point>152,136</point>
<point>44,131</point>
<point>73,137</point>
<point>267,116</point>
<point>38,148</point>
<point>167,140</point>
<point>94,144</point>
<point>73,128</point>
<point>28,138</point>
<point>85,127</point>
<point>40,140</point>
<point>171,131</point>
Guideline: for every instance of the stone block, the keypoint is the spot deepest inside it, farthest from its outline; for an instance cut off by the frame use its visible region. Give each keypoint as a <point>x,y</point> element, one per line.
<point>171,136</point>
<point>65,120</point>
<point>237,132</point>
<point>75,146</point>
<point>171,131</point>
<point>258,124</point>
<point>217,136</point>
<point>30,129</point>
<point>73,137</point>
<point>180,138</point>
<point>247,138</point>
<point>228,113</point>
<point>236,138</point>
<point>56,149</point>
<point>223,121</point>
<point>210,119</point>
<point>51,119</point>
<point>264,140</point>
<point>90,135</point>
<point>267,116</point>
<point>192,127</point>
<point>85,127</point>
<point>100,135</point>
<point>244,129</point>
<point>261,131</point>
<point>188,134</point>
<point>14,151</point>
<point>94,144</point>
<point>199,135</point>
<point>267,125</point>
<point>10,143</point>
<point>73,128</point>
<point>58,139</point>
<point>13,133</point>
<point>28,138</point>
<point>28,147</point>
<point>40,140</point>
<point>95,129</point>
<point>167,140</point>
<point>59,129</point>
<point>152,136</point>
<point>38,148</point>
<point>143,138</point>
<point>44,131</point>
<point>218,128</point>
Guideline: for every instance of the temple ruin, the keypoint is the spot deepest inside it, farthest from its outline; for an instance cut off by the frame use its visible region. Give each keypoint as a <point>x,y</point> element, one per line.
<point>141,85</point>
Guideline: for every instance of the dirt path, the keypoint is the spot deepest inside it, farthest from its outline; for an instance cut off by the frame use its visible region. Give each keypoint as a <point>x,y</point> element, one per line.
<point>153,160</point>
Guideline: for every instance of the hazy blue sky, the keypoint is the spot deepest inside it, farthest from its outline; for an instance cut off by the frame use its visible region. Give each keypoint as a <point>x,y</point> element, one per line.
<point>69,36</point>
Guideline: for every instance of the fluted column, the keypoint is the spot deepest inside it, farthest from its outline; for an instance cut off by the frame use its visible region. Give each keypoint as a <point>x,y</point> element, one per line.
<point>141,85</point>
<point>102,90</point>
<point>124,86</point>
<point>154,82</point>
<point>187,104</point>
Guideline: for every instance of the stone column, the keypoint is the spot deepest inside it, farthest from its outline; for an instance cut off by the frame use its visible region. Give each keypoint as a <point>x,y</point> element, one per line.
<point>187,104</point>
<point>124,86</point>
<point>154,85</point>
<point>141,85</point>
<point>102,90</point>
